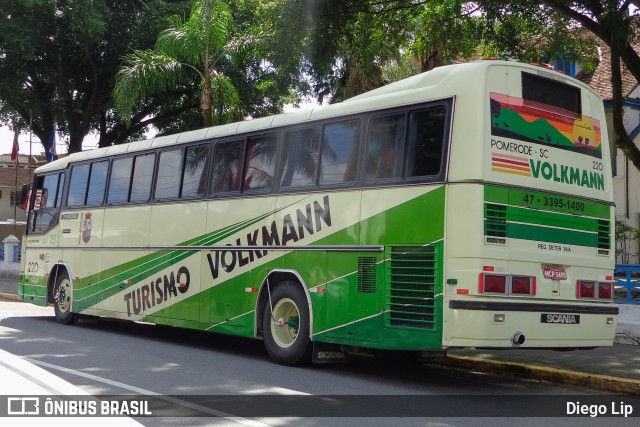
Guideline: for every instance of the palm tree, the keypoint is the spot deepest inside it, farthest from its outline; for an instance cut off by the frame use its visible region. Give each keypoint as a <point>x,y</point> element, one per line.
<point>198,46</point>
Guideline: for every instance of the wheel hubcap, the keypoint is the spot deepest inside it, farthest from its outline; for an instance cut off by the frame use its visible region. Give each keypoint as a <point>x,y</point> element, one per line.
<point>286,323</point>
<point>62,296</point>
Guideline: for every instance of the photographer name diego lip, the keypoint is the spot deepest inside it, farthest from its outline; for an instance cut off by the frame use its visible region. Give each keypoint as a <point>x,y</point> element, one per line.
<point>620,409</point>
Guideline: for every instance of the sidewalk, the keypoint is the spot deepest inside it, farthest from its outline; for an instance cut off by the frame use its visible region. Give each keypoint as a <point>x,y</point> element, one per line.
<point>613,369</point>
<point>24,381</point>
<point>9,288</point>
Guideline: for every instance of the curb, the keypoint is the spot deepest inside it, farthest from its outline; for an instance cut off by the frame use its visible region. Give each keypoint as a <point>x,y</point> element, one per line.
<point>522,370</point>
<point>12,297</point>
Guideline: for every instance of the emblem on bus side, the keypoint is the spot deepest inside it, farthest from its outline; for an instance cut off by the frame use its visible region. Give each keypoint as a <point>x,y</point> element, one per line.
<point>85,227</point>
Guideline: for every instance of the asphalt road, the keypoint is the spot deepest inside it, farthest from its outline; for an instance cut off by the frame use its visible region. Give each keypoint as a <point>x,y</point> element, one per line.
<point>188,368</point>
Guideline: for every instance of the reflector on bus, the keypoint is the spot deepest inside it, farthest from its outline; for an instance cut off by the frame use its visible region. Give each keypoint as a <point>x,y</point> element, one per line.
<point>588,289</point>
<point>506,284</point>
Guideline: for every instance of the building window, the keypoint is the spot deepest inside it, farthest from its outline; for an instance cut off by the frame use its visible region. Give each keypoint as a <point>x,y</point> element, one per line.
<point>15,198</point>
<point>566,67</point>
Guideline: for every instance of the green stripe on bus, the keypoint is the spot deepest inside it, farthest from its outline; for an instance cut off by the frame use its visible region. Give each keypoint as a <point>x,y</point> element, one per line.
<point>537,217</point>
<point>546,201</point>
<point>555,235</point>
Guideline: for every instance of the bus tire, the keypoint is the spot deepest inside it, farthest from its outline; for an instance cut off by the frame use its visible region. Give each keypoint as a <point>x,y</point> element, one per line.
<point>62,299</point>
<point>286,331</point>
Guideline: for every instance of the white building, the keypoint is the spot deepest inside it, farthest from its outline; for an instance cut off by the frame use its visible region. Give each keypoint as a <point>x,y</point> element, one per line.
<point>12,218</point>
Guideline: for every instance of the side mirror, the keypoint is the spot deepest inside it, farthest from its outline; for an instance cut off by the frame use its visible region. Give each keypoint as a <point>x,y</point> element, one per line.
<point>24,197</point>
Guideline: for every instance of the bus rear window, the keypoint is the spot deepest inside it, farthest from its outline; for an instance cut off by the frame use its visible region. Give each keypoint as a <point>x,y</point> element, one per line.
<point>542,90</point>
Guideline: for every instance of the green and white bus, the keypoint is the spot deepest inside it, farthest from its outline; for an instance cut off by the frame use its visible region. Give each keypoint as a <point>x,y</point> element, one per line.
<point>469,206</point>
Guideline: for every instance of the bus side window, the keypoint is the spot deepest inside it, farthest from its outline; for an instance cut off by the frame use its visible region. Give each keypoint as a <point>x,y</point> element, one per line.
<point>260,163</point>
<point>300,158</point>
<point>97,183</point>
<point>194,182</point>
<point>426,136</point>
<point>340,152</point>
<point>384,147</point>
<point>169,174</point>
<point>120,180</point>
<point>227,160</point>
<point>88,184</point>
<point>142,178</point>
<point>78,185</point>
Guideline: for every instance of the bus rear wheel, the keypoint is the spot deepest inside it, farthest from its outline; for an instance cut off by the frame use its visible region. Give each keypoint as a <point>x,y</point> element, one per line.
<point>286,326</point>
<point>62,299</point>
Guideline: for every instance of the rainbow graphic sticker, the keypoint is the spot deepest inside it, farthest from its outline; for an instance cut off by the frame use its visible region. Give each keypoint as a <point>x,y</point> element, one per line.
<point>507,163</point>
<point>544,124</point>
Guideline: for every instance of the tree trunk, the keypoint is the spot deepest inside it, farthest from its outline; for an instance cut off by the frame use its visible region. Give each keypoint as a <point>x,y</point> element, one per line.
<point>430,60</point>
<point>75,142</point>
<point>205,102</point>
<point>622,139</point>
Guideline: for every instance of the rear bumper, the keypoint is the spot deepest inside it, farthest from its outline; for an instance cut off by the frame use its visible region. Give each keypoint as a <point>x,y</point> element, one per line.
<point>476,323</point>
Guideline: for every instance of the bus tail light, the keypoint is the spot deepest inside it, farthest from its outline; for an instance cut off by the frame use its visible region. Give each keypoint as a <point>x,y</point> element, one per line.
<point>523,285</point>
<point>586,289</point>
<point>605,291</point>
<point>506,284</point>
<point>492,284</point>
<point>589,289</point>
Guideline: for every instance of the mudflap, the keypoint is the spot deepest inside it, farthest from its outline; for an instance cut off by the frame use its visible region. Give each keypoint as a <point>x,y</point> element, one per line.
<point>328,353</point>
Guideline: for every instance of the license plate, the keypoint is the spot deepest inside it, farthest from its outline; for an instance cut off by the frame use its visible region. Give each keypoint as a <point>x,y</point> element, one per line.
<point>563,319</point>
<point>555,273</point>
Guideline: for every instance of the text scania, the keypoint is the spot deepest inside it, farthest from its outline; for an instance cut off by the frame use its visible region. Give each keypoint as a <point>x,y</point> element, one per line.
<point>157,291</point>
<point>567,174</point>
<point>292,229</point>
<point>562,318</point>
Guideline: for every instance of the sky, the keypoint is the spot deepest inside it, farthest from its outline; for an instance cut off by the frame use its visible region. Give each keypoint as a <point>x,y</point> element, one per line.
<point>6,143</point>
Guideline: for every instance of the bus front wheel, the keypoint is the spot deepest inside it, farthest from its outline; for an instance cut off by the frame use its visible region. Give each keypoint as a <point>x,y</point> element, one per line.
<point>286,326</point>
<point>62,298</point>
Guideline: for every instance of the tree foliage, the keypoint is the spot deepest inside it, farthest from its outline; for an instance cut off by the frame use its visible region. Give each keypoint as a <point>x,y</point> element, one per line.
<point>445,31</point>
<point>58,61</point>
<point>346,47</point>
<point>193,46</point>
<point>227,50</point>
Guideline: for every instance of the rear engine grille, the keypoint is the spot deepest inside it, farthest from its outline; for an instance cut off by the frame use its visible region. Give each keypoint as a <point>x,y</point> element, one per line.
<point>413,274</point>
<point>604,234</point>
<point>495,222</point>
